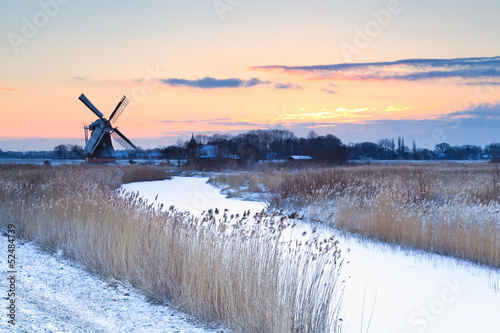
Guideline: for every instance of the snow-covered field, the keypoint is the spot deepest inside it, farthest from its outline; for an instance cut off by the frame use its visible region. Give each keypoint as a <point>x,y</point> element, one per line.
<point>55,295</point>
<point>386,289</point>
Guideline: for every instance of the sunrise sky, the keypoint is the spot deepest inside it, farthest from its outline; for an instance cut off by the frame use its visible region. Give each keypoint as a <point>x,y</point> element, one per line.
<point>362,70</point>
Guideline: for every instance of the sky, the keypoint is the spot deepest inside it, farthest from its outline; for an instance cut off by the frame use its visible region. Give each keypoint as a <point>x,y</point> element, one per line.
<point>428,71</point>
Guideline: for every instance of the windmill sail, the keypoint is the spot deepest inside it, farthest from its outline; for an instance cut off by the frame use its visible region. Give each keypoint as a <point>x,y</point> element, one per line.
<point>119,109</point>
<point>90,106</point>
<point>99,148</point>
<point>122,139</point>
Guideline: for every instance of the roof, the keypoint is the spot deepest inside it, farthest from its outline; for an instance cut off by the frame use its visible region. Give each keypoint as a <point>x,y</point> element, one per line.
<point>209,151</point>
<point>300,157</point>
<point>215,152</point>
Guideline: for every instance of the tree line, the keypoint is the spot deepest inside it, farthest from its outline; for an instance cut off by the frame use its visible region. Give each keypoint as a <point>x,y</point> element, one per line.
<point>386,149</point>
<point>279,144</point>
<point>275,144</point>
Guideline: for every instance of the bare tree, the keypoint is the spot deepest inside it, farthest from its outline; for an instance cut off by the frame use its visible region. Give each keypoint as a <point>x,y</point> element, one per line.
<point>61,151</point>
<point>182,146</point>
<point>201,139</point>
<point>312,135</point>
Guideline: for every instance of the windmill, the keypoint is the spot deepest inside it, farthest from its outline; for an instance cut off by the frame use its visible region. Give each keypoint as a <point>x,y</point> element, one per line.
<point>99,149</point>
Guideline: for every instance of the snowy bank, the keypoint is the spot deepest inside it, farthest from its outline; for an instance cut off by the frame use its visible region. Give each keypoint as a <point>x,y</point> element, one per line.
<point>386,289</point>
<point>55,295</point>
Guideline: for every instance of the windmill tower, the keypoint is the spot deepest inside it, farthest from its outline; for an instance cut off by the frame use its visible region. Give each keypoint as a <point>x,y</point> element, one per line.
<point>99,148</point>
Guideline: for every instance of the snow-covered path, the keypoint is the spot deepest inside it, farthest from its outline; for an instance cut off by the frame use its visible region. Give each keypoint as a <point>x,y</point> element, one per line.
<point>406,291</point>
<point>55,295</point>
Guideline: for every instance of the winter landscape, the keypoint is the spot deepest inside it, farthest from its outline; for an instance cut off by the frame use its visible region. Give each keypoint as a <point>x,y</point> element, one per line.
<point>259,166</point>
<point>95,255</point>
<point>386,289</point>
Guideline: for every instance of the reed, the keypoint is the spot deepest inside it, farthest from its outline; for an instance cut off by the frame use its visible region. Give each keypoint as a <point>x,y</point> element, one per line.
<point>446,208</point>
<point>246,273</point>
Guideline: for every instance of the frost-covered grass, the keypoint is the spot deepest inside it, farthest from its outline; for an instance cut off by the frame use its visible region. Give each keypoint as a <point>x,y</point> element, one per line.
<point>386,288</point>
<point>450,209</point>
<point>243,272</point>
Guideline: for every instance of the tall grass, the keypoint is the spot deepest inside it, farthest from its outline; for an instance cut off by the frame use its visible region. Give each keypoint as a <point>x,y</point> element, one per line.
<point>246,273</point>
<point>451,209</point>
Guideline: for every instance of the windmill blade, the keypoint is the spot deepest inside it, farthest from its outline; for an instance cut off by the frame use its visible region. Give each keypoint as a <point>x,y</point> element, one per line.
<point>90,106</point>
<point>122,139</point>
<point>119,109</point>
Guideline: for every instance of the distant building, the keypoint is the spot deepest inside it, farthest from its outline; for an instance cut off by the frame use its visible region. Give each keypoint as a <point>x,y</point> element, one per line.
<point>215,152</point>
<point>121,154</point>
<point>441,156</point>
<point>155,155</point>
<point>300,158</point>
<point>199,153</point>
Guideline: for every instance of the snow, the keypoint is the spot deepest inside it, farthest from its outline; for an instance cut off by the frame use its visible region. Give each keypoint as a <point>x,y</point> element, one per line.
<point>386,289</point>
<point>191,194</point>
<point>399,290</point>
<point>55,295</point>
<point>417,292</point>
<point>300,157</point>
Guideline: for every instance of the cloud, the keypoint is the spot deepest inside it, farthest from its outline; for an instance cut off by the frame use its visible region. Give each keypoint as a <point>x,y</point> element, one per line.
<point>329,91</point>
<point>286,86</point>
<point>234,123</point>
<point>253,82</point>
<point>187,134</point>
<point>482,83</point>
<point>193,121</point>
<point>212,83</point>
<point>216,121</point>
<point>340,112</point>
<point>482,112</point>
<point>89,80</point>
<point>283,86</point>
<point>8,89</point>
<point>178,121</point>
<point>405,70</point>
<point>312,124</point>
<point>392,108</point>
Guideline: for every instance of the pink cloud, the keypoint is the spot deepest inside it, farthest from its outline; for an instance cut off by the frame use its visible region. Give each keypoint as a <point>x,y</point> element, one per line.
<point>8,89</point>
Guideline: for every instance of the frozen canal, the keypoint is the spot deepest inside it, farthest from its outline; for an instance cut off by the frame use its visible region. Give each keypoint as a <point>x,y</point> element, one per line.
<point>386,289</point>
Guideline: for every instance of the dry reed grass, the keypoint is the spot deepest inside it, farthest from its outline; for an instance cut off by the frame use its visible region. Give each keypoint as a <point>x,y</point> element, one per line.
<point>451,209</point>
<point>245,273</point>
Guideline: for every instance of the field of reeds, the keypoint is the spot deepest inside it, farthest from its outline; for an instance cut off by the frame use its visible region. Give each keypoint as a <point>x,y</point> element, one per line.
<point>245,273</point>
<point>447,208</point>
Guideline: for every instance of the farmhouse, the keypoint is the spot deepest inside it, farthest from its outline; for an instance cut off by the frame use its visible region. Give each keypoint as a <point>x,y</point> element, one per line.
<point>197,153</point>
<point>300,158</point>
<point>214,152</point>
